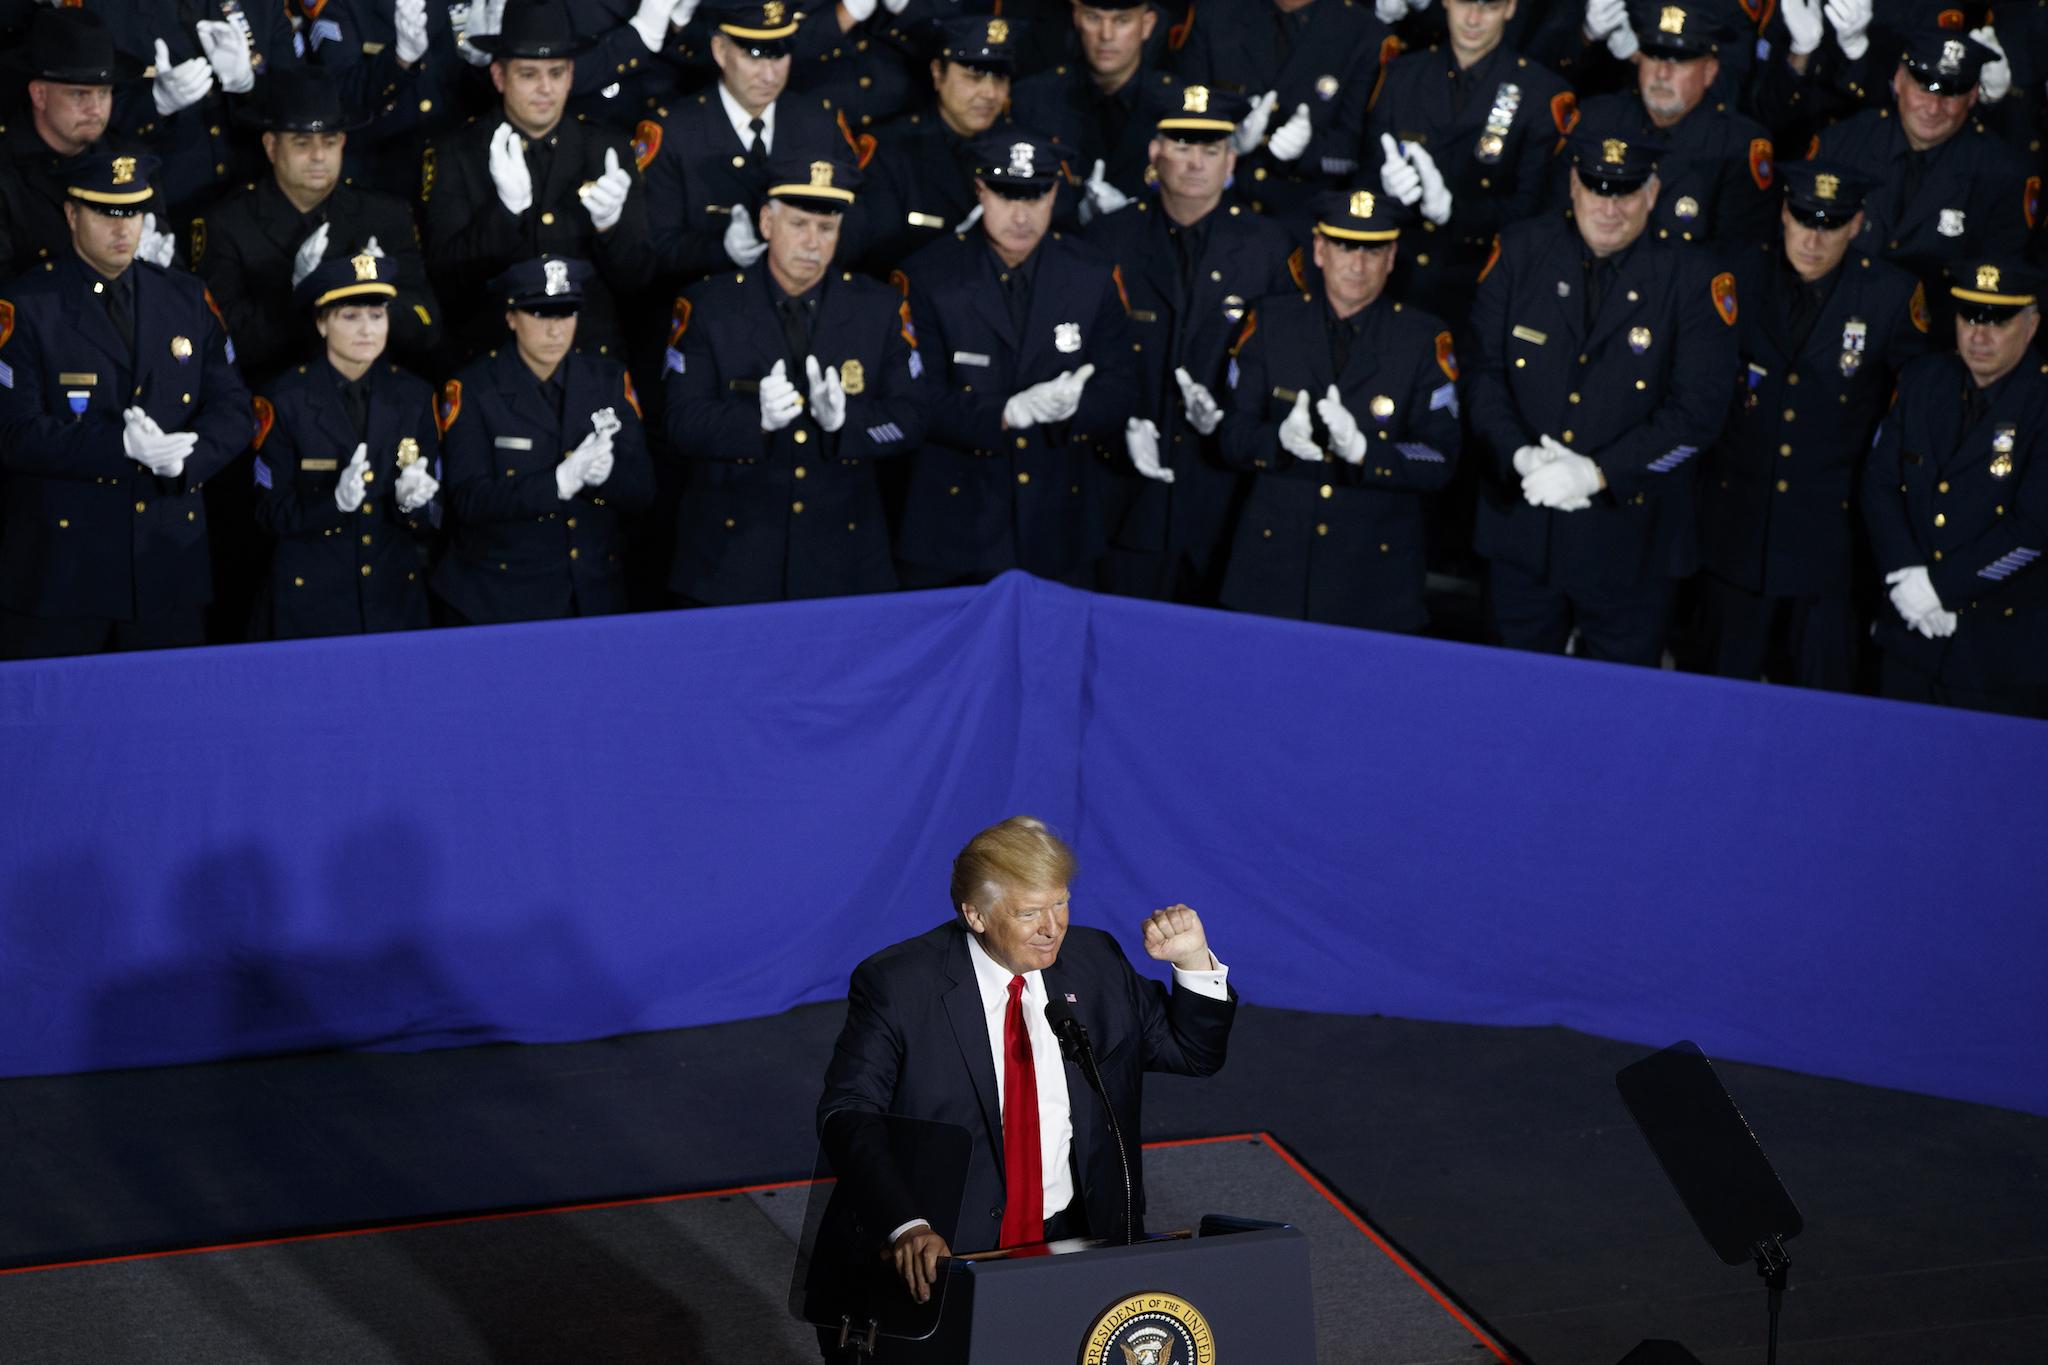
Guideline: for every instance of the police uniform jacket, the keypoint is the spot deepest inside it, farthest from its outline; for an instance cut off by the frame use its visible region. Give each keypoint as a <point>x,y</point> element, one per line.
<point>1969,500</point>
<point>357,41</point>
<point>616,76</point>
<point>1777,490</point>
<point>1243,258</point>
<point>334,572</point>
<point>1716,179</point>
<point>87,531</point>
<point>796,512</point>
<point>1063,105</point>
<point>32,195</point>
<point>1332,541</point>
<point>694,168</point>
<point>1972,202</point>
<point>470,236</point>
<point>244,249</point>
<point>517,551</point>
<point>983,498</point>
<point>920,185</point>
<point>1641,393</point>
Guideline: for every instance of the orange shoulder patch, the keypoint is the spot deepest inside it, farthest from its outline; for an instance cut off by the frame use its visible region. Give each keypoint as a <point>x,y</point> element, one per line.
<point>1446,355</point>
<point>1564,112</point>
<point>6,321</point>
<point>632,397</point>
<point>1123,295</point>
<point>679,322</point>
<point>1813,147</point>
<point>1244,333</point>
<point>901,281</point>
<point>1723,290</point>
<point>1177,36</point>
<point>1760,162</point>
<point>215,307</point>
<point>646,143</point>
<point>1916,309</point>
<point>1390,48</point>
<point>1297,269</point>
<point>1952,19</point>
<point>266,417</point>
<point>2030,201</point>
<point>905,326</point>
<point>450,406</point>
<point>1492,258</point>
<point>862,144</point>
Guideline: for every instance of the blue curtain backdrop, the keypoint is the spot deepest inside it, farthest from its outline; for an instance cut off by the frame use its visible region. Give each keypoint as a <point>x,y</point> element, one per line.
<point>568,830</point>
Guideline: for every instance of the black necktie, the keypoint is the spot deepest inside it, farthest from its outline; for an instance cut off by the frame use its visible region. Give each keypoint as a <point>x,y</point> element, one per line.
<point>118,310</point>
<point>796,328</point>
<point>358,407</point>
<point>1807,303</point>
<point>1599,275</point>
<point>1018,298</point>
<point>757,150</point>
<point>1184,251</point>
<point>1343,331</point>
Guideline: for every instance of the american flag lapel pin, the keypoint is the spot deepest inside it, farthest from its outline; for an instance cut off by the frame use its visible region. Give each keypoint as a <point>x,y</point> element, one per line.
<point>1071,998</point>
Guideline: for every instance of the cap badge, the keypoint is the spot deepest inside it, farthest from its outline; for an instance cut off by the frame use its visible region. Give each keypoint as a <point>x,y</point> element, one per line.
<point>1987,277</point>
<point>821,175</point>
<point>772,12</point>
<point>557,276</point>
<point>1195,99</point>
<point>366,267</point>
<point>1614,151</point>
<point>124,170</point>
<point>1021,161</point>
<point>998,32</point>
<point>1687,207</point>
<point>1361,203</point>
<point>1671,20</point>
<point>1826,186</point>
<point>1952,53</point>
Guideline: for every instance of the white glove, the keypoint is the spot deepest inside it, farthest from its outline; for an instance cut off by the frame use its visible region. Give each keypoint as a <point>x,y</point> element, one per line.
<point>1390,11</point>
<point>371,248</point>
<point>1529,458</point>
<point>415,487</point>
<point>1141,441</point>
<point>1054,400</point>
<point>973,217</point>
<point>896,6</point>
<point>155,247</point>
<point>605,197</point>
<point>227,52</point>
<point>600,467</point>
<point>1398,175</point>
<point>650,21</point>
<point>1297,434</point>
<point>1622,42</point>
<point>1345,438</point>
<point>1291,139</point>
<point>605,422</point>
<point>350,491</point>
<point>679,13</point>
<point>180,86</point>
<point>860,11</point>
<point>780,402</point>
<point>1436,196</point>
<point>1851,19</point>
<point>509,171</point>
<point>1566,481</point>
<point>309,254</point>
<point>1252,131</point>
<point>1995,80</point>
<point>143,441</point>
<point>1603,17</point>
<point>409,17</point>
<point>1938,625</point>
<point>1914,596</point>
<point>742,242</point>
<point>1102,198</point>
<point>1803,24</point>
<point>574,470</point>
<point>828,396</point>
<point>1204,413</point>
<point>486,17</point>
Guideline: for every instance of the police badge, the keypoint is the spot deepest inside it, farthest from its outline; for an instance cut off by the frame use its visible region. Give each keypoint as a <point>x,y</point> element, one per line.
<point>1382,407</point>
<point>2001,445</point>
<point>1326,87</point>
<point>1950,223</point>
<point>408,453</point>
<point>1067,336</point>
<point>1855,333</point>
<point>852,378</point>
<point>1639,339</point>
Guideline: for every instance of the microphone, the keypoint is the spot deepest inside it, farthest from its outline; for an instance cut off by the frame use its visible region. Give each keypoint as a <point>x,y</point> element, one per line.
<point>1075,1047</point>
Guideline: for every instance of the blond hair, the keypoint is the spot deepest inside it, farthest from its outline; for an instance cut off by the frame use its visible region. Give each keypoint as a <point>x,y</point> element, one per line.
<point>1019,854</point>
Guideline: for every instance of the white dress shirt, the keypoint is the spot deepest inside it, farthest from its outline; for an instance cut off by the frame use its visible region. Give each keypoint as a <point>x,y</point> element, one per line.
<point>740,118</point>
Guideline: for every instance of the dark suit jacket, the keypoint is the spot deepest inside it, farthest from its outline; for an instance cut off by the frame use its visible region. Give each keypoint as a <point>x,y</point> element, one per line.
<point>916,1044</point>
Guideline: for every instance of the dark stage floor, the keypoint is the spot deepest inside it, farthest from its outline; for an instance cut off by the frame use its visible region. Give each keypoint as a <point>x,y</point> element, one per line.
<point>1499,1159</point>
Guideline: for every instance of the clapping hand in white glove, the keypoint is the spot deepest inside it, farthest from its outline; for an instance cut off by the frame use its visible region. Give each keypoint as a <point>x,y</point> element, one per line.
<point>1851,19</point>
<point>605,421</point>
<point>227,52</point>
<point>1204,413</point>
<point>309,254</point>
<point>860,11</point>
<point>1436,195</point>
<point>1623,42</point>
<point>605,197</point>
<point>601,459</point>
<point>1053,400</point>
<point>1141,441</point>
<point>1802,24</point>
<point>1566,481</point>
<point>680,12</point>
<point>1290,139</point>
<point>575,469</point>
<point>354,484</point>
<point>742,242</point>
<point>828,395</point>
<point>409,17</point>
<point>415,487</point>
<point>155,247</point>
<point>1603,17</point>
<point>896,6</point>
<point>1994,81</point>
<point>161,453</point>
<point>1257,119</point>
<point>1918,604</point>
<point>179,86</point>
<point>780,402</point>
<point>1398,175</point>
<point>1102,198</point>
<point>1345,437</point>
<point>1297,433</point>
<point>1529,458</point>
<point>486,17</point>
<point>371,247</point>
<point>651,22</point>
<point>509,172</point>
<point>973,216</point>
<point>1390,11</point>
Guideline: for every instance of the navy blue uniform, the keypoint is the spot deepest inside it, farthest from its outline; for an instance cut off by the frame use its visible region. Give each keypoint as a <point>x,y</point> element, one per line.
<point>1641,393</point>
<point>1966,495</point>
<point>1064,105</point>
<point>1716,181</point>
<point>32,196</point>
<point>517,551</point>
<point>1168,540</point>
<point>983,498</point>
<point>1332,541</point>
<point>920,183</point>
<point>334,572</point>
<point>87,531</point>
<point>796,512</point>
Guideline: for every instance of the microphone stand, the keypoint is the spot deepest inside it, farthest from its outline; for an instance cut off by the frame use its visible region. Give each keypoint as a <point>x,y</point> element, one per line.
<point>1075,1046</point>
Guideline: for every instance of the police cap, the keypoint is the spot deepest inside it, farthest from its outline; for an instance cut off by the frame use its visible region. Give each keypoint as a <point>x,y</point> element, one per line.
<point>1016,164</point>
<point>1944,61</point>
<point>1994,290</point>
<point>118,185</point>
<point>551,286</point>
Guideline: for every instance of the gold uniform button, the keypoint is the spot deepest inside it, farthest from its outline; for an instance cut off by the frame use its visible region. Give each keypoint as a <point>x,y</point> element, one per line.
<point>1326,491</point>
<point>1385,548</point>
<point>1521,363</point>
<point>575,553</point>
<point>1937,554</point>
<point>1785,450</point>
<point>1259,173</point>
<point>1322,528</point>
<point>1567,438</point>
<point>1791,379</point>
<point>796,506</point>
<point>1024,477</point>
<point>800,471</point>
<point>426,106</point>
<point>366,571</point>
<point>369,476</point>
<point>141,506</point>
<point>298,582</point>
<point>1940,519</point>
<point>366,540</point>
<point>547,220</point>
<point>954,491</point>
<point>1782,485</point>
<point>1267,533</point>
<point>1571,398</point>
<point>738,162</point>
<point>1790,414</point>
<point>1021,443</point>
<point>1941,487</point>
<point>191,516</point>
<point>572,523</point>
<point>802,436</point>
<point>63,523</point>
<point>730,523</point>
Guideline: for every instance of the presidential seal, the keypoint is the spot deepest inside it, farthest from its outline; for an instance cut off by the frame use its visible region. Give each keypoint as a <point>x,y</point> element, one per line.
<point>1149,1329</point>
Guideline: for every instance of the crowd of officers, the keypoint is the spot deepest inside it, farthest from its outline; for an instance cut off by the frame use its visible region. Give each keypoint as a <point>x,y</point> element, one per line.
<point>1698,329</point>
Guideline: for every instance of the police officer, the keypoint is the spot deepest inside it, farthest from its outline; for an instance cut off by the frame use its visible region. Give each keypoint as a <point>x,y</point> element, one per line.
<point>1345,408</point>
<point>1103,108</point>
<point>1601,363</point>
<point>118,400</point>
<point>544,458</point>
<point>706,156</point>
<point>1823,333</point>
<point>257,245</point>
<point>532,183</point>
<point>1957,505</point>
<point>1717,166</point>
<point>1189,265</point>
<point>785,384</point>
<point>1025,335</point>
<point>346,469</point>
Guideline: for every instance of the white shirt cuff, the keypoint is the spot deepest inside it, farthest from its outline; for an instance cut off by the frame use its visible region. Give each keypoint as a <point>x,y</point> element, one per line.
<point>913,1223</point>
<point>1209,983</point>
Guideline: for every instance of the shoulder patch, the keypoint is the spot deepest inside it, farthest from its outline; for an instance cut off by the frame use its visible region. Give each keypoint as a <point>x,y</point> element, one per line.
<point>1492,258</point>
<point>646,142</point>
<point>197,236</point>
<point>450,406</point>
<point>1757,10</point>
<point>1916,309</point>
<point>6,322</point>
<point>1723,291</point>
<point>2030,201</point>
<point>632,397</point>
<point>1297,269</point>
<point>1952,19</point>
<point>216,310</point>
<point>1390,47</point>
<point>1244,333</point>
<point>901,281</point>
<point>1123,295</point>
<point>679,323</point>
<point>1177,36</point>
<point>1564,112</point>
<point>1813,147</point>
<point>905,327</point>
<point>862,144</point>
<point>266,415</point>
<point>1446,356</point>
<point>1760,162</point>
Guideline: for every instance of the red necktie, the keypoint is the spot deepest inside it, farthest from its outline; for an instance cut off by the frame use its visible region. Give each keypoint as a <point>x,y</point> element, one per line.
<point>1023,1182</point>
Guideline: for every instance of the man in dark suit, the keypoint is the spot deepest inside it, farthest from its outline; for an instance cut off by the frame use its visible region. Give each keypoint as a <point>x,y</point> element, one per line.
<point>950,1027</point>
<point>794,379</point>
<point>119,399</point>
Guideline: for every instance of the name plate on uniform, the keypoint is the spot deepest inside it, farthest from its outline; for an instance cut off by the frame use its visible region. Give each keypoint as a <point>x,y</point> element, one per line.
<point>513,443</point>
<point>1285,395</point>
<point>970,358</point>
<point>744,385</point>
<point>1143,315</point>
<point>83,378</point>
<point>1530,334</point>
<point>319,466</point>
<point>924,220</point>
